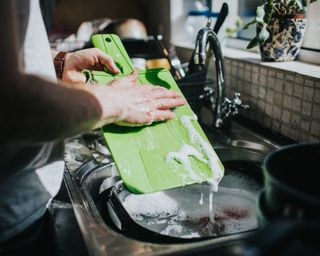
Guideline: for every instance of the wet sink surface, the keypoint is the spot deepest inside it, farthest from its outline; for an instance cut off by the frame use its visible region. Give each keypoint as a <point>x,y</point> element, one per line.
<point>238,135</point>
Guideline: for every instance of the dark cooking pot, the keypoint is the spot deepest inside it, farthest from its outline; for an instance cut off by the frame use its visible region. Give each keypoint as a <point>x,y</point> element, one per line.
<point>292,189</point>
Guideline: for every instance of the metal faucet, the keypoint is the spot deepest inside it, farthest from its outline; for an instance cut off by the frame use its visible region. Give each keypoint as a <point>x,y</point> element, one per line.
<point>221,106</point>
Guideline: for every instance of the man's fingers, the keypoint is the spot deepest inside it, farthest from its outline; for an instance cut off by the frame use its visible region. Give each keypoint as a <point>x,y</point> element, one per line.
<point>133,76</point>
<point>107,61</point>
<point>164,104</point>
<point>125,82</point>
<point>161,92</point>
<point>161,115</point>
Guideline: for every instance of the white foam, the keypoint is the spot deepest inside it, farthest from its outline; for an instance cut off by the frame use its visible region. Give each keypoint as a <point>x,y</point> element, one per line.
<point>151,205</point>
<point>177,212</point>
<point>183,154</point>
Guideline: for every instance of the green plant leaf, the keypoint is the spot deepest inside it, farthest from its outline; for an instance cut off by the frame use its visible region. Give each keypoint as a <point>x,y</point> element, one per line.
<point>260,14</point>
<point>253,43</point>
<point>300,3</point>
<point>263,35</point>
<point>268,9</point>
<point>249,24</point>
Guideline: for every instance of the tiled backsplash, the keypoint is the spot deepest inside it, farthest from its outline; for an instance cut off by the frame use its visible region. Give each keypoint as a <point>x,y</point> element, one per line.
<point>283,101</point>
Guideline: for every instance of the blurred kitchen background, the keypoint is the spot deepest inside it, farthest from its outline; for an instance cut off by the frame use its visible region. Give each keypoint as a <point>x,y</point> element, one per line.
<point>283,97</point>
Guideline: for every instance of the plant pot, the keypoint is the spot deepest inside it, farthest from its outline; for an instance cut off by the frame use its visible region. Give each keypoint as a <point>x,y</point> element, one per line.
<point>285,40</point>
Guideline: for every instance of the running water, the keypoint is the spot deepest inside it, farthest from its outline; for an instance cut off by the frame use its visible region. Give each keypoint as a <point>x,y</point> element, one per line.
<point>212,211</point>
<point>201,195</point>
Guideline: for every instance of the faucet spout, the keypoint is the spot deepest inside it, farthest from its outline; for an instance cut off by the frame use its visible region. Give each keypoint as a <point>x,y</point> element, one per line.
<point>207,43</point>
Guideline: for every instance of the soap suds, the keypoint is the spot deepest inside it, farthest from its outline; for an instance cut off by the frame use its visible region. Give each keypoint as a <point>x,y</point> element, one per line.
<point>183,154</point>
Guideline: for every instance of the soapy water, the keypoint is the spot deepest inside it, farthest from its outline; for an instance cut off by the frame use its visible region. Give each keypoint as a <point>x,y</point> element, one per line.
<point>178,212</point>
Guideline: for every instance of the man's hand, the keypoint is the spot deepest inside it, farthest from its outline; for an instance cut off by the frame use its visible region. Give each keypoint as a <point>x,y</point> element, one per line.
<point>130,103</point>
<point>93,59</point>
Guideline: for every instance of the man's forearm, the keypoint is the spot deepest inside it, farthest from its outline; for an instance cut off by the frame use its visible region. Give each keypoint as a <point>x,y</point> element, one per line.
<point>34,110</point>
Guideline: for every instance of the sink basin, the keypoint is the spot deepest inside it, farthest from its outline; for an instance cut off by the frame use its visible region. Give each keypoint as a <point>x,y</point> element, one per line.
<point>228,154</point>
<point>237,136</point>
<point>250,145</point>
<point>242,154</point>
<point>242,167</point>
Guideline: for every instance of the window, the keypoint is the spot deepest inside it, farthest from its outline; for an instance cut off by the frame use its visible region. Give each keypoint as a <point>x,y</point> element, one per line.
<point>311,45</point>
<point>312,36</point>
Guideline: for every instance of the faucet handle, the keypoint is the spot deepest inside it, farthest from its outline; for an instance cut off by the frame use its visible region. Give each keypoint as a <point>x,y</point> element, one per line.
<point>209,22</point>
<point>238,102</point>
<point>231,107</point>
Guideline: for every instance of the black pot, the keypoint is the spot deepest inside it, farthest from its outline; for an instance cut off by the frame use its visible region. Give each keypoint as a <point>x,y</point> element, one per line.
<point>292,189</point>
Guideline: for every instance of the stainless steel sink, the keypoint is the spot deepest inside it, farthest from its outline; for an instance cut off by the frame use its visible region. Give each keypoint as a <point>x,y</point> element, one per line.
<point>240,149</point>
<point>228,154</point>
<point>237,142</point>
<point>250,145</point>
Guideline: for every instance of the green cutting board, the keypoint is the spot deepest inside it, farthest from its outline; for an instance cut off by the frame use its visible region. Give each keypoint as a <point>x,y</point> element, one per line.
<point>140,152</point>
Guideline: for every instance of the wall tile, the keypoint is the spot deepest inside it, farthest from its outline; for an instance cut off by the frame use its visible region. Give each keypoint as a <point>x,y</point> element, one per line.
<point>313,139</point>
<point>316,111</point>
<point>288,88</point>
<point>262,92</point>
<point>271,73</point>
<point>279,85</point>
<point>286,115</point>
<point>267,121</point>
<point>276,113</point>
<point>254,91</point>
<point>285,129</point>
<point>280,75</point>
<point>255,69</point>
<point>278,99</point>
<point>247,76</point>
<point>317,95</point>
<point>264,71</point>
<point>287,102</point>
<point>308,93</point>
<point>296,104</point>
<point>255,78</point>
<point>305,125</point>
<point>298,89</point>
<point>315,128</point>
<point>269,108</point>
<point>270,96</point>
<point>298,79</point>
<point>282,101</point>
<point>262,79</point>
<point>289,77</point>
<point>309,83</point>
<point>306,108</point>
<point>240,74</point>
<point>270,82</point>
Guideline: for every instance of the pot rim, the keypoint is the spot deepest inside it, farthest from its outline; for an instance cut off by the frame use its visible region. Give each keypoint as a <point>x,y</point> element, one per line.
<point>268,176</point>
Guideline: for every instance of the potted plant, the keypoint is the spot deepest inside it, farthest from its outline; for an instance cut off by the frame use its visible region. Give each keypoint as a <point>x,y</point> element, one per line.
<point>280,28</point>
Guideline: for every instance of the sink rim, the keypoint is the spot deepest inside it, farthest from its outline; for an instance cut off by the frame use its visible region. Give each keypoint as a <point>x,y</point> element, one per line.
<point>227,154</point>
